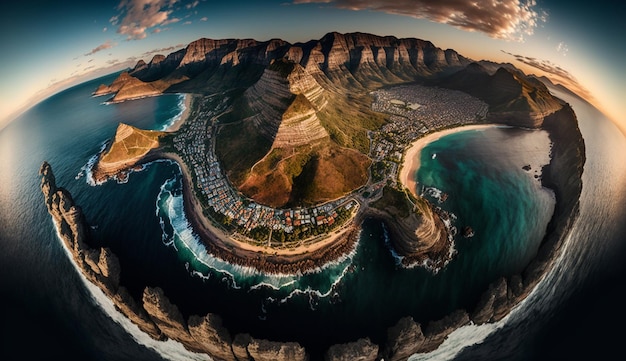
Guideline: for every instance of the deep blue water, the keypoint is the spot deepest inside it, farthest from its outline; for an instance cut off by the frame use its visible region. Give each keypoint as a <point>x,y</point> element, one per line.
<point>143,223</point>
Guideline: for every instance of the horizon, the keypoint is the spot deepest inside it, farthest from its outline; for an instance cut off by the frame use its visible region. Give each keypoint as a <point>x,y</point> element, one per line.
<point>161,28</point>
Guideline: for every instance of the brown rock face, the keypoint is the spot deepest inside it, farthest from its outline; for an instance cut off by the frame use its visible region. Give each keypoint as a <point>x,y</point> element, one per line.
<point>361,350</point>
<point>240,347</point>
<point>285,102</point>
<point>404,339</point>
<point>247,348</point>
<point>263,350</point>
<point>437,331</point>
<point>212,337</point>
<point>167,317</point>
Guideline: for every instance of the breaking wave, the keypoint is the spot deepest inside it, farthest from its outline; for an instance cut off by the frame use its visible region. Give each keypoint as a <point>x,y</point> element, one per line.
<point>179,234</point>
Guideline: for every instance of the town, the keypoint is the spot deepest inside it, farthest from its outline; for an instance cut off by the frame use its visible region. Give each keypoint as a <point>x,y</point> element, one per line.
<point>246,220</point>
<point>414,110</point>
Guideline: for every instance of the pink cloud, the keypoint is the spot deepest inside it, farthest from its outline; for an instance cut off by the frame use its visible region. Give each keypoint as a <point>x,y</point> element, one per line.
<point>107,45</point>
<point>500,19</point>
<point>138,16</point>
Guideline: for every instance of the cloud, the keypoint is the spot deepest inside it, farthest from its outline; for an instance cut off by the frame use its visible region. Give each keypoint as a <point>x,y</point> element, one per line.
<point>107,45</point>
<point>555,72</point>
<point>168,49</point>
<point>562,48</point>
<point>104,29</point>
<point>192,5</point>
<point>138,16</point>
<point>187,23</point>
<point>499,19</point>
<point>156,30</point>
<point>204,18</point>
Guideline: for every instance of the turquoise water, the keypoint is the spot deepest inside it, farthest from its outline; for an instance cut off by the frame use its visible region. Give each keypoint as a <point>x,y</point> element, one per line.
<point>143,222</point>
<point>482,172</point>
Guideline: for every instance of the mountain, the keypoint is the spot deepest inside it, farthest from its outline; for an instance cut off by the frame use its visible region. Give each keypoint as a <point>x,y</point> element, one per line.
<point>356,60</point>
<point>513,98</point>
<point>296,130</point>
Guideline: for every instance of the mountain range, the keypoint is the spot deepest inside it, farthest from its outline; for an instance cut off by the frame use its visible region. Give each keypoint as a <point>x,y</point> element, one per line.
<point>304,108</point>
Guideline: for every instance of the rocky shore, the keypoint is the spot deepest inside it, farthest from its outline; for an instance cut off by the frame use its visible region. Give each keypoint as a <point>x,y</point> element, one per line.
<point>159,318</point>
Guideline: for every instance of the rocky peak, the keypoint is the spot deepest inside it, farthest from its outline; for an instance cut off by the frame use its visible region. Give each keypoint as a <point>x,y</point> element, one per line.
<point>157,59</point>
<point>140,65</point>
<point>205,49</point>
<point>284,103</point>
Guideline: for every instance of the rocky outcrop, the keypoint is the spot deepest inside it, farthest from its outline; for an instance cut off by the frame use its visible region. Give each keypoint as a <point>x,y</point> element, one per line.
<point>360,350</point>
<point>129,147</point>
<point>417,231</point>
<point>211,336</point>
<point>437,331</point>
<point>167,317</point>
<point>406,337</point>
<point>99,266</point>
<point>247,348</point>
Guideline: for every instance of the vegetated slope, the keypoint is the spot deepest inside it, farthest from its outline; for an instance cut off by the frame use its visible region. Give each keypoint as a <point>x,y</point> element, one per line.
<point>300,111</point>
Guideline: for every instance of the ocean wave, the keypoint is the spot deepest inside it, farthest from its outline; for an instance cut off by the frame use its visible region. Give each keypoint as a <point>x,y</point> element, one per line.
<point>169,349</point>
<point>170,210</point>
<point>181,110</point>
<point>87,169</point>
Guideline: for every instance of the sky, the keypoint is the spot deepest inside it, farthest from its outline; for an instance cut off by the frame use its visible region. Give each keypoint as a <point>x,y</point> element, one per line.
<point>48,46</point>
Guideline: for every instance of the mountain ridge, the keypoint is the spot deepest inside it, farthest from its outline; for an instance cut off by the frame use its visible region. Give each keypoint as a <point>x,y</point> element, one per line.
<point>305,94</point>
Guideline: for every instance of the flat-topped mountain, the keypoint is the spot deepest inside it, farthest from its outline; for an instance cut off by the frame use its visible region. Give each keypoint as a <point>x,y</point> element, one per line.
<point>300,113</point>
<point>354,59</point>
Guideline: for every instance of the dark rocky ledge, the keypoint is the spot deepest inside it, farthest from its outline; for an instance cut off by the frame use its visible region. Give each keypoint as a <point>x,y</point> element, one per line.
<point>159,318</point>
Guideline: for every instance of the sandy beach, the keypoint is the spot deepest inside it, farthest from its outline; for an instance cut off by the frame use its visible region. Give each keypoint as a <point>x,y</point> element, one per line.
<point>411,162</point>
<point>176,125</point>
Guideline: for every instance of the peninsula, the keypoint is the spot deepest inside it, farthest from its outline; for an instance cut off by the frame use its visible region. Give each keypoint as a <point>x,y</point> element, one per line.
<point>287,148</point>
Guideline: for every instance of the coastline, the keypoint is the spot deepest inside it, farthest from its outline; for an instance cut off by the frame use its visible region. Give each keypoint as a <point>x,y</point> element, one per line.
<point>411,160</point>
<point>300,259</point>
<point>185,114</point>
<point>495,303</point>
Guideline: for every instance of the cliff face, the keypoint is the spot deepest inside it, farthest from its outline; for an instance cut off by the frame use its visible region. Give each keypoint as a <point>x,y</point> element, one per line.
<point>355,59</point>
<point>155,314</point>
<point>284,103</point>
<point>99,266</point>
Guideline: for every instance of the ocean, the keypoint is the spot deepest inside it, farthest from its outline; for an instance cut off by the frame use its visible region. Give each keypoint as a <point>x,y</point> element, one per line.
<point>46,302</point>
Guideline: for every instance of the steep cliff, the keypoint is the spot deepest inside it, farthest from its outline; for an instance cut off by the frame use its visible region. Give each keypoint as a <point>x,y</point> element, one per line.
<point>356,60</point>
<point>99,266</point>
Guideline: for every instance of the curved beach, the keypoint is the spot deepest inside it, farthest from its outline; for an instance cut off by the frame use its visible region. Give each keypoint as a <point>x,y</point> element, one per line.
<point>411,160</point>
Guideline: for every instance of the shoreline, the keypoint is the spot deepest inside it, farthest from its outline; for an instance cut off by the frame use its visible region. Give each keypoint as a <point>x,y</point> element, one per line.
<point>188,101</point>
<point>300,259</point>
<point>411,161</point>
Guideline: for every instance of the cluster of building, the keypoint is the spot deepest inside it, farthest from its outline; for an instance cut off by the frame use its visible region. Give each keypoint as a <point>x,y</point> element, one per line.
<point>416,110</point>
<point>195,144</point>
<point>429,107</point>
